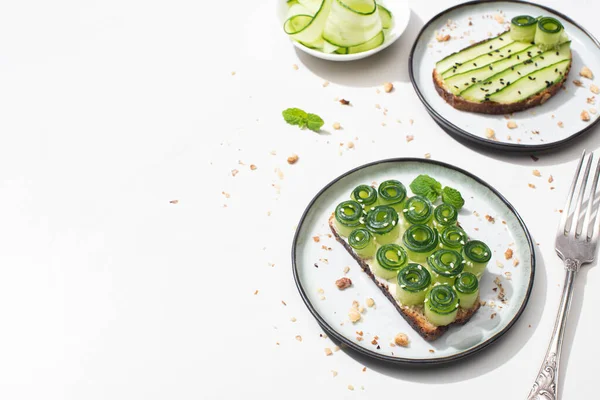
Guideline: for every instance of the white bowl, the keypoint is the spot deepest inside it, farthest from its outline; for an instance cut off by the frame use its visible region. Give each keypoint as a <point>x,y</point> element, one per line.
<point>400,12</point>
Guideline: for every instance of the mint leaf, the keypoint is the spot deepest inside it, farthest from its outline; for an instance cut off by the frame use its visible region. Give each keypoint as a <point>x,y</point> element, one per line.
<point>295,116</point>
<point>314,122</point>
<point>453,197</point>
<point>426,186</point>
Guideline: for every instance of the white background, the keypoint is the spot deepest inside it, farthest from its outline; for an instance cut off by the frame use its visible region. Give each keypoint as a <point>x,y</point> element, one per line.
<point>111,109</point>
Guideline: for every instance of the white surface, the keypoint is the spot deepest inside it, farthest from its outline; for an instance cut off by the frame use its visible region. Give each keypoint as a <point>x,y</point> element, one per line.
<point>383,320</point>
<point>400,14</point>
<point>110,109</point>
<point>536,126</point>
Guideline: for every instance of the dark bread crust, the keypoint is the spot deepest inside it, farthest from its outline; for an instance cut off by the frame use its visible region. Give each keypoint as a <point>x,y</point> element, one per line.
<point>490,107</point>
<point>413,315</point>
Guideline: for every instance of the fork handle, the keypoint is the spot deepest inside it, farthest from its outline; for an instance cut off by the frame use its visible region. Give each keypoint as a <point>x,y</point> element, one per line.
<point>546,383</point>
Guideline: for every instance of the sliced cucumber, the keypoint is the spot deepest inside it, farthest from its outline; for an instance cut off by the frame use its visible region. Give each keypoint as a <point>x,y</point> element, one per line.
<point>369,45</point>
<point>308,28</point>
<point>473,51</point>
<point>497,82</point>
<point>352,22</point>
<point>341,50</point>
<point>486,59</point>
<point>531,84</point>
<point>386,16</point>
<point>328,47</point>
<point>461,82</point>
<point>312,5</point>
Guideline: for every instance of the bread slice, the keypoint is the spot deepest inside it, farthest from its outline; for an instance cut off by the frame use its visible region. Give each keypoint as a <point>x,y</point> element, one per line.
<point>412,314</point>
<point>490,107</point>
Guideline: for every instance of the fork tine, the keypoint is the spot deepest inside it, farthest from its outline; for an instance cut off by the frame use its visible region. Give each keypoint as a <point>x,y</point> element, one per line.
<point>586,175</point>
<point>592,199</point>
<point>565,215</point>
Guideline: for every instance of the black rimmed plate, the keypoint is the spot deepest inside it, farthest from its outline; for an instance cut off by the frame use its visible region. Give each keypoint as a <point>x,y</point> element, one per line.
<point>318,264</point>
<point>548,126</point>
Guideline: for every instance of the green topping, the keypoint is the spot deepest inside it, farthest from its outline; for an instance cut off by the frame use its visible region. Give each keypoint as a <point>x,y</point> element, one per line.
<point>296,116</point>
<point>414,278</point>
<point>477,251</point>
<point>453,197</point>
<point>360,238</point>
<point>549,33</point>
<point>426,186</point>
<point>381,219</point>
<point>349,213</point>
<point>420,238</point>
<point>365,195</point>
<point>453,237</point>
<point>391,257</point>
<point>445,214</point>
<point>442,299</point>
<point>466,283</point>
<point>446,263</point>
<point>418,210</point>
<point>391,192</point>
<point>523,28</point>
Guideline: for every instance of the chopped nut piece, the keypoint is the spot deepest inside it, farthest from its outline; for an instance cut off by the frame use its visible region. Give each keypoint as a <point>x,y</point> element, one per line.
<point>374,342</point>
<point>499,264</point>
<point>334,373</point>
<point>293,319</point>
<point>377,106</point>
<point>234,172</point>
<point>490,219</point>
<point>320,291</point>
<point>328,351</point>
<point>508,254</point>
<point>409,138</point>
<point>401,339</point>
<point>253,167</point>
<point>442,38</point>
<point>355,304</point>
<point>354,315</point>
<point>594,89</point>
<point>591,100</point>
<point>346,269</point>
<point>361,309</point>
<point>343,283</point>
<point>490,133</point>
<point>299,338</point>
<point>284,303</point>
<point>350,387</point>
<point>431,351</point>
<point>174,201</point>
<point>531,185</point>
<point>578,83</point>
<point>292,159</point>
<point>560,124</point>
<point>227,195</point>
<point>388,87</point>
<point>279,173</point>
<point>585,116</point>
<point>350,145</point>
<point>370,302</point>
<point>427,155</point>
<point>316,239</point>
<point>326,83</point>
<point>499,18</point>
<point>359,333</point>
<point>364,369</point>
<point>493,316</point>
<point>593,111</point>
<point>337,126</point>
<point>336,348</point>
<point>508,275</point>
<point>345,102</point>
<point>256,292</point>
<point>586,73</point>
<point>295,67</point>
<point>515,262</point>
<point>511,124</point>
<point>536,173</point>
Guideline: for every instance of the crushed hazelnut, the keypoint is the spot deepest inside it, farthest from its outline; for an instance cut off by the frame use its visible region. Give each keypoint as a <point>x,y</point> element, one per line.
<point>354,315</point>
<point>409,138</point>
<point>350,387</point>
<point>328,351</point>
<point>490,219</point>
<point>515,262</point>
<point>511,124</point>
<point>316,239</point>
<point>536,173</point>
<point>343,283</point>
<point>256,292</point>
<point>370,302</point>
<point>292,159</point>
<point>173,201</point>
<point>411,121</point>
<point>346,269</point>
<point>593,111</point>
<point>427,155</point>
<point>234,172</point>
<point>586,73</point>
<point>585,116</point>
<point>442,38</point>
<point>499,264</point>
<point>334,373</point>
<point>594,89</point>
<point>560,124</point>
<point>253,167</point>
<point>493,316</point>
<point>344,102</point>
<point>293,319</point>
<point>508,254</point>
<point>326,83</point>
<point>388,87</point>
<point>591,100</point>
<point>499,18</point>
<point>531,185</point>
<point>378,106</point>
<point>350,145</point>
<point>227,195</point>
<point>490,134</point>
<point>401,339</point>
<point>578,83</point>
<point>337,126</point>
<point>299,338</point>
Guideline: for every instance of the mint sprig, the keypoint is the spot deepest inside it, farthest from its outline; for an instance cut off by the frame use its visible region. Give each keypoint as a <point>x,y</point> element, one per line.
<point>296,116</point>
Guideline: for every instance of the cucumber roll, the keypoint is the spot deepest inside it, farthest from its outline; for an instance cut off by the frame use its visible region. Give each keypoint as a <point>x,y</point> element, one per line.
<point>477,254</point>
<point>420,242</point>
<point>365,196</point>
<point>444,215</point>
<point>413,282</point>
<point>522,28</point>
<point>445,266</point>
<point>393,194</point>
<point>549,33</point>
<point>390,259</point>
<point>348,216</point>
<point>417,210</point>
<point>382,221</point>
<point>441,305</point>
<point>467,287</point>
<point>453,238</point>
<point>363,242</point>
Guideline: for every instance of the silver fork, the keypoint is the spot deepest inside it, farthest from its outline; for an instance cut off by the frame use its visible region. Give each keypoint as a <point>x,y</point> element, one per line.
<point>576,244</point>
